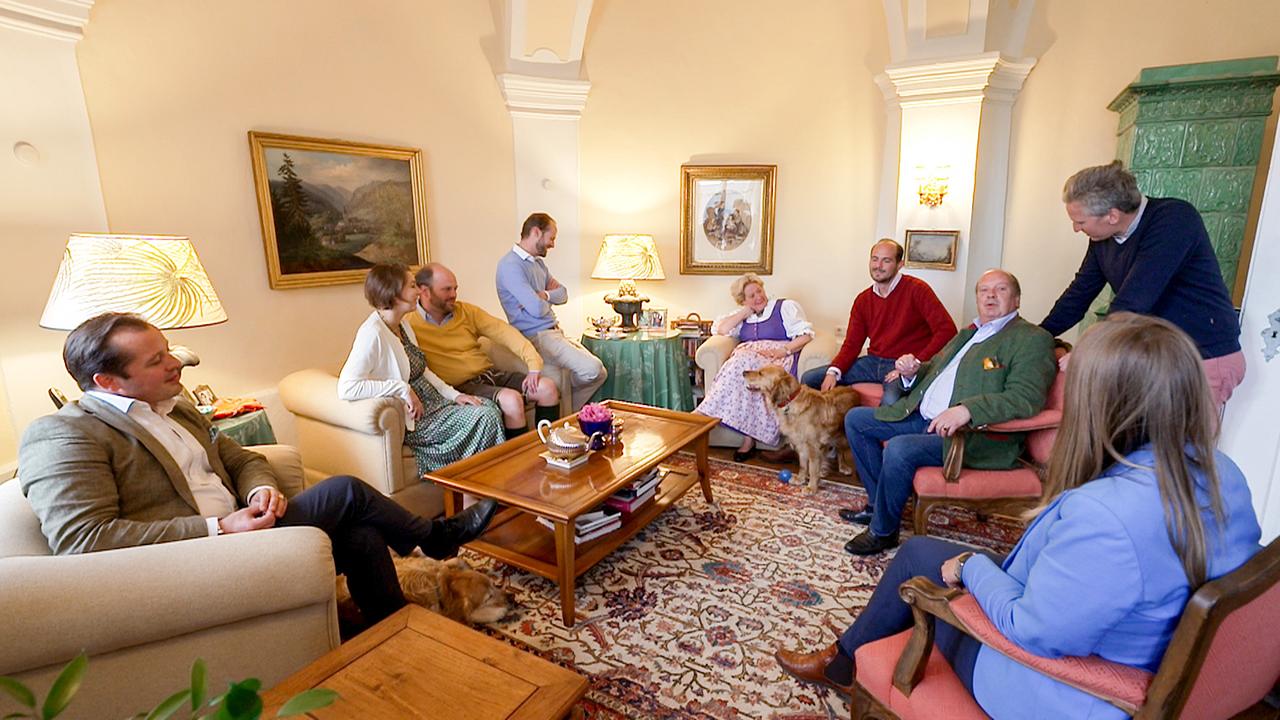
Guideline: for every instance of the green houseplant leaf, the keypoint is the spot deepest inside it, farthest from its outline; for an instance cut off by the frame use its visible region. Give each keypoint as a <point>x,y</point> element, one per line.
<point>18,692</point>
<point>241,702</point>
<point>169,706</point>
<point>308,700</point>
<point>199,686</point>
<point>64,687</point>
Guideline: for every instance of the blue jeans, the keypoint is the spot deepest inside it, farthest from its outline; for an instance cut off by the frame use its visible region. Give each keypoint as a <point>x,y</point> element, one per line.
<point>866,369</point>
<point>887,455</point>
<point>886,614</point>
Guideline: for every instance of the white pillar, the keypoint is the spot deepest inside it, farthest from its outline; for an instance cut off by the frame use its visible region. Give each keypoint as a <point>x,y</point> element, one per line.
<point>956,113</point>
<point>49,188</point>
<point>1250,433</point>
<point>544,123</point>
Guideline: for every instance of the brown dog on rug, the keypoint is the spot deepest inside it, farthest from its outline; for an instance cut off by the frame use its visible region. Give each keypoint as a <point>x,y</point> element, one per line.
<point>448,587</point>
<point>810,420</point>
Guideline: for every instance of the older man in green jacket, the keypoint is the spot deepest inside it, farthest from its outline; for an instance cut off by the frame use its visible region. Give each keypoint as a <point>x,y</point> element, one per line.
<point>997,369</point>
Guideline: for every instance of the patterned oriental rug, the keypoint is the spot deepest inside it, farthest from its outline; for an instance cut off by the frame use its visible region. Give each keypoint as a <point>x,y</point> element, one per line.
<point>682,621</point>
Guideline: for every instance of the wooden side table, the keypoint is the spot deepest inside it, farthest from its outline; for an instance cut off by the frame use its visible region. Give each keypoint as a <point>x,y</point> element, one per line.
<point>416,664</point>
<point>650,368</point>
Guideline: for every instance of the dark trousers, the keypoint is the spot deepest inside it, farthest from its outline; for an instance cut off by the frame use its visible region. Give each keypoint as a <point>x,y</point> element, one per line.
<point>887,455</point>
<point>362,524</point>
<point>886,614</point>
<point>866,369</point>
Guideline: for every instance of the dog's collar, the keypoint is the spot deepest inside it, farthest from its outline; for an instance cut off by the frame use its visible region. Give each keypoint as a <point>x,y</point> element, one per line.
<point>794,395</point>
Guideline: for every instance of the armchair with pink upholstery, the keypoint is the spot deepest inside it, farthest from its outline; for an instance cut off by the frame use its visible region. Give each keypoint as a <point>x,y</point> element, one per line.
<point>1222,662</point>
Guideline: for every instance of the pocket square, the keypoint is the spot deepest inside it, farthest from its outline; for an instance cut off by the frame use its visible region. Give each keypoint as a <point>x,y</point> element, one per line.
<point>991,363</point>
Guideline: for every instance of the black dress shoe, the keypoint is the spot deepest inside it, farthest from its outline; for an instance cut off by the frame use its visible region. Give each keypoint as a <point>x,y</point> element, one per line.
<point>743,455</point>
<point>857,517</point>
<point>452,533</point>
<point>868,543</point>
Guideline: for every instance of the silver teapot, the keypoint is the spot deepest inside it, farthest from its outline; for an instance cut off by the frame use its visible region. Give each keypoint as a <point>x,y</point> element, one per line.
<point>565,442</point>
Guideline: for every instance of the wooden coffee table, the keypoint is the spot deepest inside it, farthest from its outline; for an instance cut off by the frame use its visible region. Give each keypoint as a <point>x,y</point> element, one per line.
<point>416,664</point>
<point>515,475</point>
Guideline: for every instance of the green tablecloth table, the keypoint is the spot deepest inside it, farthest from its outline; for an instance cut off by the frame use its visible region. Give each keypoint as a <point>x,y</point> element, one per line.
<point>644,367</point>
<point>249,429</point>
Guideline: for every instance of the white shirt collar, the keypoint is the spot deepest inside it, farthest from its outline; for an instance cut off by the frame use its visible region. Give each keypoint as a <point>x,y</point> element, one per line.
<point>124,404</point>
<point>997,324</point>
<point>521,252</point>
<point>875,287</point>
<point>1133,226</point>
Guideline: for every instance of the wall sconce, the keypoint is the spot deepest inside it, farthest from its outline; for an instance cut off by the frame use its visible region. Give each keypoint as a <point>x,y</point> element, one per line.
<point>933,185</point>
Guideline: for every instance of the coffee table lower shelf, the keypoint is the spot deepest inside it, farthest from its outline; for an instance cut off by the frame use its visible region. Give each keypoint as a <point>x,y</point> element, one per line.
<point>518,539</point>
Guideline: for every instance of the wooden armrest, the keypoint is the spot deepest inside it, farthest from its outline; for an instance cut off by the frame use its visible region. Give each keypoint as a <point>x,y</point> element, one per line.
<point>1123,686</point>
<point>927,600</point>
<point>1043,420</point>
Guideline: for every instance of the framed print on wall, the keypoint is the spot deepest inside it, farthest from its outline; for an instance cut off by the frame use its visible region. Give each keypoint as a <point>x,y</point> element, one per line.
<point>726,219</point>
<point>935,249</point>
<point>331,209</point>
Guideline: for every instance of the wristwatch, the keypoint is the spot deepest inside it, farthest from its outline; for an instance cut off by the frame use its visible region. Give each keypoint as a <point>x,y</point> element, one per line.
<point>963,558</point>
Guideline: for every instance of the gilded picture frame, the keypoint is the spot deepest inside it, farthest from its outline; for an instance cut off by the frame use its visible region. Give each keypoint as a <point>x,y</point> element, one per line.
<point>931,249</point>
<point>331,209</point>
<point>727,219</point>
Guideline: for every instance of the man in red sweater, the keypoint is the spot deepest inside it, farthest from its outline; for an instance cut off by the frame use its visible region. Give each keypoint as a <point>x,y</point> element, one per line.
<point>901,316</point>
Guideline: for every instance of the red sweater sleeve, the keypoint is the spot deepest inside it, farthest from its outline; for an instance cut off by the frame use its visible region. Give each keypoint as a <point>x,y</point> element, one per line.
<point>941,327</point>
<point>854,337</point>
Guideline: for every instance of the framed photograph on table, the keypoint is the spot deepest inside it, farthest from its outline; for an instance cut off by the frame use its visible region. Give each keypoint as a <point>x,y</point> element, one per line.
<point>726,219</point>
<point>654,319</point>
<point>934,249</point>
<point>331,209</point>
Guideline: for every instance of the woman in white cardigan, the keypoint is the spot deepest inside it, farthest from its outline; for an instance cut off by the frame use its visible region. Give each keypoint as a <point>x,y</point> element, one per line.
<point>442,425</point>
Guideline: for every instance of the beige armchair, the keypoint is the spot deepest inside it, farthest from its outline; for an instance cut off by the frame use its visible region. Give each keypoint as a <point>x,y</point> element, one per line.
<point>365,438</point>
<point>258,604</point>
<point>716,349</point>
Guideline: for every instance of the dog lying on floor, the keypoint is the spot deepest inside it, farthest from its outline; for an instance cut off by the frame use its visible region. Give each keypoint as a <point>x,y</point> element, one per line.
<point>448,587</point>
<point>810,420</point>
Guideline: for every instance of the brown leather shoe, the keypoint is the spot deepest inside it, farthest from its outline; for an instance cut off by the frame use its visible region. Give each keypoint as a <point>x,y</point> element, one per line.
<point>780,456</point>
<point>811,667</point>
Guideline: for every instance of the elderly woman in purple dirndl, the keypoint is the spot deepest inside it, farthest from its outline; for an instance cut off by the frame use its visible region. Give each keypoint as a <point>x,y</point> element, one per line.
<point>771,333</point>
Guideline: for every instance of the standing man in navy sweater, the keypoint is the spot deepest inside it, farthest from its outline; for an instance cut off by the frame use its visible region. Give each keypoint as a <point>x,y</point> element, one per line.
<point>1155,255</point>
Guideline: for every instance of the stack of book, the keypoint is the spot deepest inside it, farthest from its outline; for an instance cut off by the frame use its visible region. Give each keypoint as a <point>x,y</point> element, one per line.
<point>592,525</point>
<point>629,498</point>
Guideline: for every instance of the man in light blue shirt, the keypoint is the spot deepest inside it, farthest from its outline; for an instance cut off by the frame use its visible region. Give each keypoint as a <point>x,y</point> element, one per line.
<point>527,292</point>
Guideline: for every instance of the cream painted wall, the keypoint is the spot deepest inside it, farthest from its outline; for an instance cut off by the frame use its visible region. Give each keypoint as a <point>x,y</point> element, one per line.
<point>737,82</point>
<point>173,86</point>
<point>1089,51</point>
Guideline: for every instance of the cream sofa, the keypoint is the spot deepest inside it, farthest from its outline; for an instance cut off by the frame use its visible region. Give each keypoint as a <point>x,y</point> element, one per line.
<point>716,349</point>
<point>365,438</point>
<point>258,604</point>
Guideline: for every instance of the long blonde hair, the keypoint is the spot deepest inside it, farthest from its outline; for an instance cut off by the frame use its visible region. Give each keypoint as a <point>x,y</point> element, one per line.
<point>1133,380</point>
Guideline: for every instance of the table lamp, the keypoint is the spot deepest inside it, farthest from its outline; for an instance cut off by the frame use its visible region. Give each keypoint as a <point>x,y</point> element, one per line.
<point>628,258</point>
<point>158,277</point>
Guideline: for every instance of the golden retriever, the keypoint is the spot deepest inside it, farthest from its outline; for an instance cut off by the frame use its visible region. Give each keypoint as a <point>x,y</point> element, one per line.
<point>809,419</point>
<point>448,587</point>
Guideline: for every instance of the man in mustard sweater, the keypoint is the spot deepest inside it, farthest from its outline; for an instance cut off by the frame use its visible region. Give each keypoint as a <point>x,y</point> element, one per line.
<point>449,334</point>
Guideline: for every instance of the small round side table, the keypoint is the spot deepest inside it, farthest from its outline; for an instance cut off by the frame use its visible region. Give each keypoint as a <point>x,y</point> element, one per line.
<point>644,367</point>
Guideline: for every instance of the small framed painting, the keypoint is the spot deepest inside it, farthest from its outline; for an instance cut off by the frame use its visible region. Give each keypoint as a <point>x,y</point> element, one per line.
<point>934,249</point>
<point>331,209</point>
<point>654,319</point>
<point>726,219</point>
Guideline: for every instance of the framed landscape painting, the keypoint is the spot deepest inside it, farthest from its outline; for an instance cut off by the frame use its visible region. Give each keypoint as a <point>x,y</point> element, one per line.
<point>935,249</point>
<point>331,209</point>
<point>726,219</point>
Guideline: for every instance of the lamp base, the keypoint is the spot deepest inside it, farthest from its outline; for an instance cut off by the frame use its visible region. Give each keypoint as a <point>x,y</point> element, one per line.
<point>628,310</point>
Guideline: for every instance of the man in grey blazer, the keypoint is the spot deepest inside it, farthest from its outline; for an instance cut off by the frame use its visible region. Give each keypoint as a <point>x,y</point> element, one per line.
<point>133,464</point>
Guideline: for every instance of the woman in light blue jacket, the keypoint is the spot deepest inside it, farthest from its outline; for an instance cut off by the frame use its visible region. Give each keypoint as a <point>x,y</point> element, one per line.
<point>1139,511</point>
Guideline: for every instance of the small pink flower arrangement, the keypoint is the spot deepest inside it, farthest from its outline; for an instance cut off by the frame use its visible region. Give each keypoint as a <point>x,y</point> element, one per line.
<point>595,413</point>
